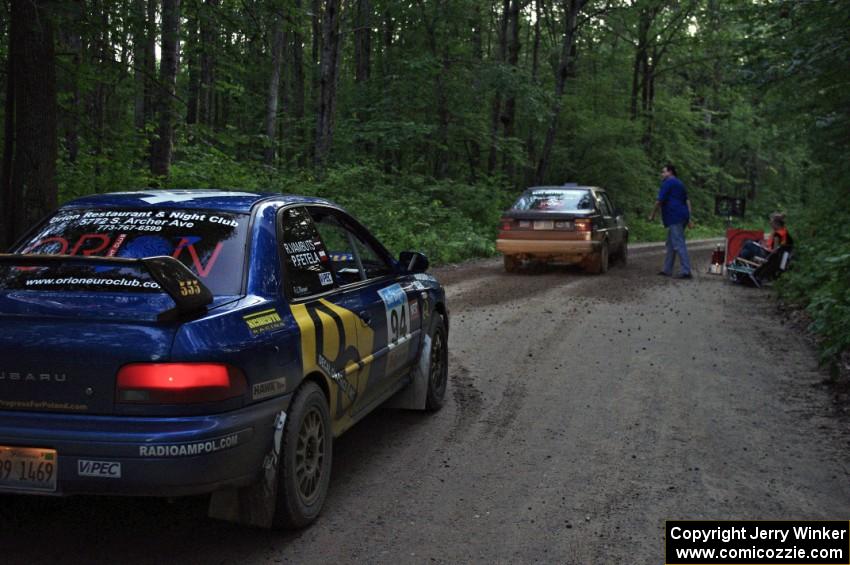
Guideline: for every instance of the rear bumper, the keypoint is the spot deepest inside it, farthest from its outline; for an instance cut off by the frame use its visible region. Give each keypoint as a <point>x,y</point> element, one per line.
<point>538,247</point>
<point>155,456</point>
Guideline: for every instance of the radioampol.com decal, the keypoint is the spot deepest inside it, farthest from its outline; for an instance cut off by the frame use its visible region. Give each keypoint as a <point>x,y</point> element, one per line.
<point>190,449</point>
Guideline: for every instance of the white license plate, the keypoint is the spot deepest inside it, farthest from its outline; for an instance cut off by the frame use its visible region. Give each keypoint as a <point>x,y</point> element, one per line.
<point>28,468</point>
<point>544,224</point>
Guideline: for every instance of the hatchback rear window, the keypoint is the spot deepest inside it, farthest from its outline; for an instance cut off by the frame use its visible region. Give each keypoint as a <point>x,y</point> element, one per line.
<point>210,243</point>
<point>556,201</point>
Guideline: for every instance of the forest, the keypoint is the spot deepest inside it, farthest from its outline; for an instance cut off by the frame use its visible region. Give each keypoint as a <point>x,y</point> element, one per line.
<point>426,118</point>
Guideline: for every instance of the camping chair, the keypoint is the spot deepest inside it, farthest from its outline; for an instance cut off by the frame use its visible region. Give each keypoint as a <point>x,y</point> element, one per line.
<point>759,271</point>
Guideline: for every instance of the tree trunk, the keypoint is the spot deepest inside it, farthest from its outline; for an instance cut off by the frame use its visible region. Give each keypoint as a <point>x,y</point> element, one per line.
<point>29,190</point>
<point>388,31</point>
<point>363,42</point>
<point>192,53</point>
<point>329,76</point>
<point>73,44</point>
<point>388,157</point>
<point>363,64</point>
<point>220,99</point>
<point>97,100</point>
<point>315,48</point>
<point>571,11</point>
<point>509,113</point>
<point>441,163</point>
<point>440,52</point>
<point>473,148</point>
<point>284,122</point>
<point>535,50</point>
<point>150,69</point>
<point>531,144</point>
<point>7,199</point>
<point>274,91</point>
<point>496,107</point>
<point>209,35</point>
<point>298,87</point>
<point>164,144</point>
<point>641,60</point>
<point>636,73</point>
<point>315,66</point>
<point>649,100</point>
<point>140,40</point>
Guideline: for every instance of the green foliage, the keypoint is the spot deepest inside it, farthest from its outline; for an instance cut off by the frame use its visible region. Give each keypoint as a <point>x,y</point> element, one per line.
<point>820,278</point>
<point>448,221</point>
<point>206,166</point>
<point>115,168</point>
<point>808,71</point>
<point>745,98</point>
<point>642,230</point>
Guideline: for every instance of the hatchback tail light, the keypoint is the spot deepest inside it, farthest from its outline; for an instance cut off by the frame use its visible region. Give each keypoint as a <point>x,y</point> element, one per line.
<point>584,225</point>
<point>508,224</point>
<point>178,383</point>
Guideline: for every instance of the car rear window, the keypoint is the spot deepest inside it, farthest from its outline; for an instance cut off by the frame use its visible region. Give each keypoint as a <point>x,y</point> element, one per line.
<point>556,200</point>
<point>210,243</point>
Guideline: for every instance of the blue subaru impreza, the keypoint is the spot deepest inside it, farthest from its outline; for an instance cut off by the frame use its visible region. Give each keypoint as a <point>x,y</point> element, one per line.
<point>169,343</point>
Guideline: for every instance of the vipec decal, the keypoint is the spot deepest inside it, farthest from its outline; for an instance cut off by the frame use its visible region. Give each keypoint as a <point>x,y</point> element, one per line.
<point>100,469</point>
<point>336,344</point>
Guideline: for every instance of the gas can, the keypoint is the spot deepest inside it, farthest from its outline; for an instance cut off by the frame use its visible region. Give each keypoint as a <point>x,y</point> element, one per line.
<point>717,258</point>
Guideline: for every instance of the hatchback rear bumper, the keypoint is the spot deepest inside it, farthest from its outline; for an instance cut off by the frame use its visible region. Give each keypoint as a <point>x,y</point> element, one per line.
<point>154,456</point>
<point>537,247</point>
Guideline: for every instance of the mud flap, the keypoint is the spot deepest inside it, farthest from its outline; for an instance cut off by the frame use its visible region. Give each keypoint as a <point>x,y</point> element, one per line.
<point>414,395</point>
<point>253,505</point>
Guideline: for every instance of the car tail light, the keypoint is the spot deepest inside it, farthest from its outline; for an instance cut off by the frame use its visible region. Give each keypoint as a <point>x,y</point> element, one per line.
<point>525,224</point>
<point>584,225</point>
<point>563,225</point>
<point>507,224</point>
<point>178,383</point>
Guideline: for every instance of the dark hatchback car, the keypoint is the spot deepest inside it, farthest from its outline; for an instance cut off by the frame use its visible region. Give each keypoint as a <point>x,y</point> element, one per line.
<point>569,224</point>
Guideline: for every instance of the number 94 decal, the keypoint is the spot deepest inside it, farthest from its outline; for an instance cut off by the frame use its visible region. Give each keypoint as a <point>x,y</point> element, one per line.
<point>398,312</point>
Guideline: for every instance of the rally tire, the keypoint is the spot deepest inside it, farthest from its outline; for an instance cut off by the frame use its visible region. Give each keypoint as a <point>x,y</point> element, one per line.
<point>305,464</point>
<point>623,255</point>
<point>597,263</point>
<point>604,258</point>
<point>438,368</point>
<point>511,263</point>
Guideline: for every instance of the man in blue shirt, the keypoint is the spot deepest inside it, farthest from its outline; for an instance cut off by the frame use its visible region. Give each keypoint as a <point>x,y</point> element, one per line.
<point>676,214</point>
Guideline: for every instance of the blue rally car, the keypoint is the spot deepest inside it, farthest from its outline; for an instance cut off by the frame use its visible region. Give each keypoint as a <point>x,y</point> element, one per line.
<point>185,342</point>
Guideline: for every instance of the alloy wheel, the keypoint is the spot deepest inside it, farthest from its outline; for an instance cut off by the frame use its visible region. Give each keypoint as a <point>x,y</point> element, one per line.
<point>437,372</point>
<point>310,455</point>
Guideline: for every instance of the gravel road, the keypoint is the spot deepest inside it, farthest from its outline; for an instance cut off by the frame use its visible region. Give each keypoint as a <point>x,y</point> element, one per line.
<point>583,412</point>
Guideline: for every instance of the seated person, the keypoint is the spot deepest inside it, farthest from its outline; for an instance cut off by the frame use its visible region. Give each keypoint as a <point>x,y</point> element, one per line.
<point>779,237</point>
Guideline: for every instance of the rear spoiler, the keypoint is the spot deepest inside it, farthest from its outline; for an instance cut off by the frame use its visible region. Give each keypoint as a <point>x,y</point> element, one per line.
<point>187,291</point>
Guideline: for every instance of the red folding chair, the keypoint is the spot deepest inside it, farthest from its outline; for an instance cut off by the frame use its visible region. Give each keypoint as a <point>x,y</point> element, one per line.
<point>735,240</point>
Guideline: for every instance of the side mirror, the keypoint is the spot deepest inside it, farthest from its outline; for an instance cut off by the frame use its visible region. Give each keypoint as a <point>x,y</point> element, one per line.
<point>413,261</point>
